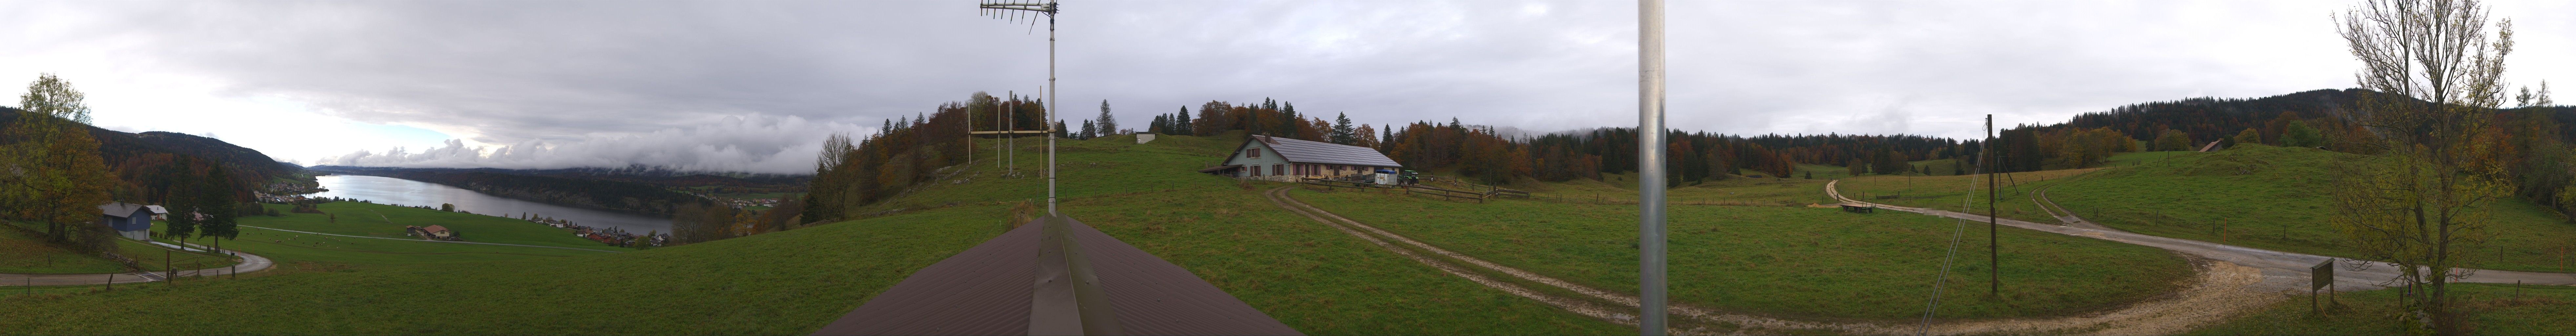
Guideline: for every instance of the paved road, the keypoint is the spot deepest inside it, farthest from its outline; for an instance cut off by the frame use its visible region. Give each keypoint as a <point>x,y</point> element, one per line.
<point>250,263</point>
<point>2282,271</point>
<point>435,241</point>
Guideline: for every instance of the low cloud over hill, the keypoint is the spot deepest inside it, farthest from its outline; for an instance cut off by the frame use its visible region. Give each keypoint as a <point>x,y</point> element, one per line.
<point>752,144</point>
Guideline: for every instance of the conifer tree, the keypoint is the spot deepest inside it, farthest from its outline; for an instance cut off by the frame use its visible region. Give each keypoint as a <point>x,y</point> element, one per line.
<point>1342,130</point>
<point>1181,123</point>
<point>1108,124</point>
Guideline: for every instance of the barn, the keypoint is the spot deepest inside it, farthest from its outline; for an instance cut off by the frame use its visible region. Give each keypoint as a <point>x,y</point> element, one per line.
<point>1282,159</point>
<point>132,221</point>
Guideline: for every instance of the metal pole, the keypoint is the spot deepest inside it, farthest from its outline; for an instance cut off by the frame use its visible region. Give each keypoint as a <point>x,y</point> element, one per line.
<point>1650,167</point>
<point>1050,108</point>
<point>1994,271</point>
<point>1013,122</point>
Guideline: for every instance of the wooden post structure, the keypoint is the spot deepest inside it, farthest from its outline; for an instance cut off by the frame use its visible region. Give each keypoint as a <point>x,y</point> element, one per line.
<point>1994,266</point>
<point>2320,276</point>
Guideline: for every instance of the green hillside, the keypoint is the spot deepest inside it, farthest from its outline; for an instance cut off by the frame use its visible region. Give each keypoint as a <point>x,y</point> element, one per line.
<point>2278,198</point>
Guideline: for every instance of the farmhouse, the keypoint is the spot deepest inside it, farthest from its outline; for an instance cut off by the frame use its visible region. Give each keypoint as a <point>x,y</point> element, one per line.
<point>433,232</point>
<point>133,221</point>
<point>1283,159</point>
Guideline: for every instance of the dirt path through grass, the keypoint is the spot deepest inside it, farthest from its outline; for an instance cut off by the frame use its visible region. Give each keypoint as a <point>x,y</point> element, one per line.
<point>2218,289</point>
<point>2280,274</point>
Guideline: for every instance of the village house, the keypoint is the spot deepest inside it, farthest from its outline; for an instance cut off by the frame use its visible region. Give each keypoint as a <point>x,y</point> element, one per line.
<point>1282,159</point>
<point>132,221</point>
<point>158,212</point>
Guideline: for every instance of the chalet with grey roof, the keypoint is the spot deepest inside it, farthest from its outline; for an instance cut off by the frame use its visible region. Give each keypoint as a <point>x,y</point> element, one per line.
<point>133,221</point>
<point>1283,159</point>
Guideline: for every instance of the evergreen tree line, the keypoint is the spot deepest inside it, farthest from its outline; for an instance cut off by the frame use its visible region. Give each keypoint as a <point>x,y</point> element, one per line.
<point>202,199</point>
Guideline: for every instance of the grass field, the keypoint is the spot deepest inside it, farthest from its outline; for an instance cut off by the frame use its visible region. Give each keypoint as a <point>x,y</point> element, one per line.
<point>2278,198</point>
<point>2498,309</point>
<point>23,251</point>
<point>387,221</point>
<point>1945,192</point>
<point>1311,277</point>
<point>1785,261</point>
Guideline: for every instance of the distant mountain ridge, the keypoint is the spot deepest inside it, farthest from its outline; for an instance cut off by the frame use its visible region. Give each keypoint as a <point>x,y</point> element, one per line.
<point>122,151</point>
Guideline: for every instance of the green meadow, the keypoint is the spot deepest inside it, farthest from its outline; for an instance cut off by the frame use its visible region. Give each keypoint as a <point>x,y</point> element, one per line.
<point>1783,261</point>
<point>25,252</point>
<point>2279,198</point>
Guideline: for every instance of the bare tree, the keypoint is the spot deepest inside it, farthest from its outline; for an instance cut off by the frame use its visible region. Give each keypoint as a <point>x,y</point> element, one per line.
<point>2420,205</point>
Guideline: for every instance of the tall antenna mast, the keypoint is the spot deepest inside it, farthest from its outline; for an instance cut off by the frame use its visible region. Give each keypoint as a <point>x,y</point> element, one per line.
<point>1014,11</point>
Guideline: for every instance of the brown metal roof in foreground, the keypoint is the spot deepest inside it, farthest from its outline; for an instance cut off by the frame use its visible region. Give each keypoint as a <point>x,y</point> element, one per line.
<point>989,290</point>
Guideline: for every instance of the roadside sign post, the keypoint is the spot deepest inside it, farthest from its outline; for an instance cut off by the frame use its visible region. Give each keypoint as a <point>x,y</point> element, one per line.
<point>2320,276</point>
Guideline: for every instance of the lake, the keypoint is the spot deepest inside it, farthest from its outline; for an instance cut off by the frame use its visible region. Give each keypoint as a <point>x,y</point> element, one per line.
<point>387,190</point>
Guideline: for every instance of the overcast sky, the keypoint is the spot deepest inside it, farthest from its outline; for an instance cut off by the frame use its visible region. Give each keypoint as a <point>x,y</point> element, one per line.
<point>754,86</point>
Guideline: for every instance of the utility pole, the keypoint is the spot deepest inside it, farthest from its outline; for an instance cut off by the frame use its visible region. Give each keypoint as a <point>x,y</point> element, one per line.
<point>1994,270</point>
<point>1650,168</point>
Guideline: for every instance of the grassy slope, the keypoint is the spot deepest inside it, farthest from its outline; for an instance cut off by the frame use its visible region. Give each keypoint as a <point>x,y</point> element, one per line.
<point>22,252</point>
<point>378,220</point>
<point>1793,261</point>
<point>2277,198</point>
<point>1946,192</point>
<point>1311,277</point>
<point>25,252</point>
<point>2500,310</point>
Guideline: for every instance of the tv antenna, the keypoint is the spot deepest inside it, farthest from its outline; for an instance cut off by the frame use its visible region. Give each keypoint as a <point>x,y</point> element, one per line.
<point>1015,12</point>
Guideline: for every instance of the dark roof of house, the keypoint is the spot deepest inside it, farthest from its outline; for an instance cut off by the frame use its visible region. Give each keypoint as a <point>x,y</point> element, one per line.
<point>120,209</point>
<point>988,290</point>
<point>1302,151</point>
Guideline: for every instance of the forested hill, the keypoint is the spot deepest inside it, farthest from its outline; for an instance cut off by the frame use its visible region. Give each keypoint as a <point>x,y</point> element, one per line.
<point>601,194</point>
<point>2208,119</point>
<point>134,157</point>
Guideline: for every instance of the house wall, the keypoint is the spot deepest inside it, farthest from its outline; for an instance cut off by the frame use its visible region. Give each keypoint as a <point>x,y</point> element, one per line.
<point>139,220</point>
<point>1242,156</point>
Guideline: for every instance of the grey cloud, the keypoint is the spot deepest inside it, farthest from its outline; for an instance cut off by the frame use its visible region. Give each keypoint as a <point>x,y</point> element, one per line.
<point>757,144</point>
<point>561,73</point>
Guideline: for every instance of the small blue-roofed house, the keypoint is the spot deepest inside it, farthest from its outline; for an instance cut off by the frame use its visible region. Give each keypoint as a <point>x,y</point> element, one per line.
<point>133,221</point>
